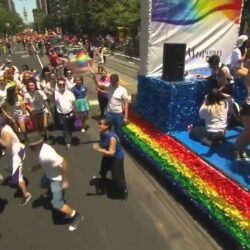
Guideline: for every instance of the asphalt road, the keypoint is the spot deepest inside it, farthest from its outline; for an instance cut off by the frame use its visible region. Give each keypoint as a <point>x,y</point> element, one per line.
<point>151,218</point>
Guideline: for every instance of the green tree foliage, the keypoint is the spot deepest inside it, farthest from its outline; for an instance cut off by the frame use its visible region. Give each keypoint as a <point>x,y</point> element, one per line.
<point>10,23</point>
<point>102,16</point>
<point>44,21</point>
<point>245,19</point>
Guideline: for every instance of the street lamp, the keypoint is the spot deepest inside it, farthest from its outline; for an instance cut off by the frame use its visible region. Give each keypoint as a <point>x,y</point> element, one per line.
<point>7,25</point>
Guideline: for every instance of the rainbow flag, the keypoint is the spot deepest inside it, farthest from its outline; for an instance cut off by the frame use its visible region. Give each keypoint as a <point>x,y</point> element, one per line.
<point>82,59</point>
<point>226,202</point>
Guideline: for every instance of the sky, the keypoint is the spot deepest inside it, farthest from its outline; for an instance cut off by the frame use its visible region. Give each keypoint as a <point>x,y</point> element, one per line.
<point>29,6</point>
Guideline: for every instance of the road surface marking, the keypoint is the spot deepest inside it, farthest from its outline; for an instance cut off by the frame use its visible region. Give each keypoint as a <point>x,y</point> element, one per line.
<point>20,52</point>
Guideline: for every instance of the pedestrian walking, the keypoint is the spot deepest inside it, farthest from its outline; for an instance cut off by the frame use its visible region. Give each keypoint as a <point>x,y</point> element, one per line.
<point>82,104</point>
<point>117,110</point>
<point>113,157</point>
<point>65,103</point>
<point>56,169</point>
<point>102,85</point>
<point>15,155</point>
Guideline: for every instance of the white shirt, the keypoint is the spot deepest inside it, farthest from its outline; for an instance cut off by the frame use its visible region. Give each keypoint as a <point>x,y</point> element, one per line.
<point>16,145</point>
<point>70,83</point>
<point>3,93</point>
<point>64,101</point>
<point>117,96</point>
<point>236,59</point>
<point>216,121</point>
<point>36,100</point>
<point>51,162</point>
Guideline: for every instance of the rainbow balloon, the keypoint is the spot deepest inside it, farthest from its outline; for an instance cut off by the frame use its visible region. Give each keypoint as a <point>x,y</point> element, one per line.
<point>82,59</point>
<point>226,202</point>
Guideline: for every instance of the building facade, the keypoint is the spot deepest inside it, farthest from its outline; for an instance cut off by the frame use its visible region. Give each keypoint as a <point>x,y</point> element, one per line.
<point>42,6</point>
<point>9,5</point>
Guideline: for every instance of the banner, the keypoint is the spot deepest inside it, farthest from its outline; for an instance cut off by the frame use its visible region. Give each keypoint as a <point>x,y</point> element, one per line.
<point>208,27</point>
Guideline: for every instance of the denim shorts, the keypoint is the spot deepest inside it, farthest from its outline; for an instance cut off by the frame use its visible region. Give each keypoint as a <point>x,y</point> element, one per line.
<point>57,191</point>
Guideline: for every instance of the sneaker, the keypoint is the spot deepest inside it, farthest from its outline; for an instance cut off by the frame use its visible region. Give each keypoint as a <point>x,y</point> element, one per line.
<point>76,220</point>
<point>25,200</point>
<point>67,146</point>
<point>244,156</point>
<point>83,130</point>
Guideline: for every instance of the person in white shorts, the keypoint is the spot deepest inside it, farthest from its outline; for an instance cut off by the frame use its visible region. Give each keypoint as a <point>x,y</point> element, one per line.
<point>15,155</point>
<point>55,168</point>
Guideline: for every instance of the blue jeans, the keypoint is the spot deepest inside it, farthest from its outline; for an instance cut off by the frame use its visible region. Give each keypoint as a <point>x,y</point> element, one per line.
<point>67,123</point>
<point>117,122</point>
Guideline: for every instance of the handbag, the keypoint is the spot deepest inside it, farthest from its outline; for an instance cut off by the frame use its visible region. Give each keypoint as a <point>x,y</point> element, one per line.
<point>78,123</point>
<point>29,124</point>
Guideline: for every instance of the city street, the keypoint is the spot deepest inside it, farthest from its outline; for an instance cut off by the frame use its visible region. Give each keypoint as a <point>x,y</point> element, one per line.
<point>151,218</point>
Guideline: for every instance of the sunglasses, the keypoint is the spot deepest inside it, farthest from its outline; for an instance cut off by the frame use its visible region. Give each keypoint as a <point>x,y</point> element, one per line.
<point>61,85</point>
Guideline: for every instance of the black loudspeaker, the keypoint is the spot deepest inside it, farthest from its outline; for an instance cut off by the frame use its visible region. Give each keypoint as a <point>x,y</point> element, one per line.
<point>174,61</point>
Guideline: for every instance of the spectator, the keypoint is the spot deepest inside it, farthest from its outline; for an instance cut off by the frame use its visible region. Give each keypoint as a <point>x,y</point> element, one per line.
<point>37,106</point>
<point>82,104</point>
<point>102,85</point>
<point>15,155</point>
<point>113,156</point>
<point>15,111</point>
<point>65,102</point>
<point>117,109</point>
<point>70,83</point>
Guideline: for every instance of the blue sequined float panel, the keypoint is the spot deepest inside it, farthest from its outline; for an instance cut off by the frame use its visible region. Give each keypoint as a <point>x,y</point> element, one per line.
<point>221,157</point>
<point>172,106</point>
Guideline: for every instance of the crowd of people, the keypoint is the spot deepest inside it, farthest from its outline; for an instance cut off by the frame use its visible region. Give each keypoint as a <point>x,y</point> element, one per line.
<point>32,101</point>
<point>220,110</point>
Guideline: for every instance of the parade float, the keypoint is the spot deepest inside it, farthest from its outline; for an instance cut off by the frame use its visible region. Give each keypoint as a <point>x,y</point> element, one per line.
<point>157,131</point>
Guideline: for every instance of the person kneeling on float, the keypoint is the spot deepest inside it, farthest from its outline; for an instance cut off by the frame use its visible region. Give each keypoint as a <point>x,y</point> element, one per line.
<point>214,111</point>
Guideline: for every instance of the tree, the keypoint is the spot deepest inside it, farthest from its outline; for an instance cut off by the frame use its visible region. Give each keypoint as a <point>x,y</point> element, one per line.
<point>104,16</point>
<point>245,22</point>
<point>10,23</point>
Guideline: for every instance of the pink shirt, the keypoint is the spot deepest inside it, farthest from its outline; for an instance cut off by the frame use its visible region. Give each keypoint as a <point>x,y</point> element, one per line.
<point>103,84</point>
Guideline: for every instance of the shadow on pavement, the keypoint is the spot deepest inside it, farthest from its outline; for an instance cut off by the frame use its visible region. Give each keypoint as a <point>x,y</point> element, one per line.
<point>44,201</point>
<point>108,187</point>
<point>60,140</point>
<point>3,203</point>
<point>8,182</point>
<point>90,142</point>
